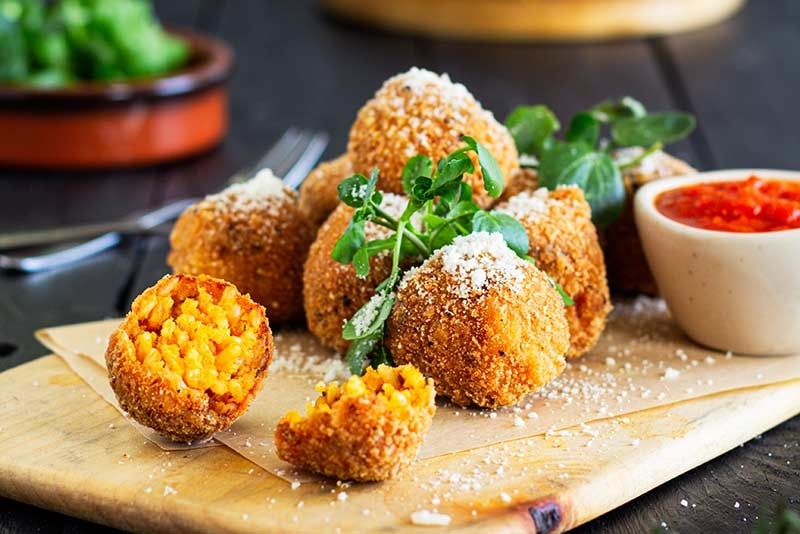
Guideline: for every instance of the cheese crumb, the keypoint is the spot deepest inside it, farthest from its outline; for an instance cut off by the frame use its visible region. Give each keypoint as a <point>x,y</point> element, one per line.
<point>428,518</point>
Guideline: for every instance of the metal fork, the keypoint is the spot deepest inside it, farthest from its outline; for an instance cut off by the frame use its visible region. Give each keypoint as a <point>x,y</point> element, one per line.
<point>293,157</point>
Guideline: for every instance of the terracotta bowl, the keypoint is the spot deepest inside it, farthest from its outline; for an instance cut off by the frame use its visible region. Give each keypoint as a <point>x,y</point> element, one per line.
<point>102,125</point>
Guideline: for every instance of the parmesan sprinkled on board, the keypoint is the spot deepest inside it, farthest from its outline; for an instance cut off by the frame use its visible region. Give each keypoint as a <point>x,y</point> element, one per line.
<point>428,518</point>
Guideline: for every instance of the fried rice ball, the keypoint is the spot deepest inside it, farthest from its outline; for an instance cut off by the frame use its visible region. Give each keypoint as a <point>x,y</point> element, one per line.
<point>420,112</point>
<point>253,235</point>
<point>563,243</point>
<point>487,326</point>
<point>522,180</point>
<point>319,195</point>
<point>189,357</point>
<point>332,293</point>
<point>369,429</point>
<point>628,271</point>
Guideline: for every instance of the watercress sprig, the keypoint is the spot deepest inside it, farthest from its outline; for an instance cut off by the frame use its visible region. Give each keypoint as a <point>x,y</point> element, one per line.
<point>583,157</point>
<point>442,202</point>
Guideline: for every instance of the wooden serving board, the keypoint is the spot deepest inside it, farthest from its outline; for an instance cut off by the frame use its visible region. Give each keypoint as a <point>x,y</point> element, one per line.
<point>65,449</point>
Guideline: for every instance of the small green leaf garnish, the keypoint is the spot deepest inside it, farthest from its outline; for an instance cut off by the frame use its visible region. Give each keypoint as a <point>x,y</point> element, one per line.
<point>583,158</point>
<point>444,209</point>
<point>594,172</point>
<point>651,129</point>
<point>513,232</point>
<point>531,126</point>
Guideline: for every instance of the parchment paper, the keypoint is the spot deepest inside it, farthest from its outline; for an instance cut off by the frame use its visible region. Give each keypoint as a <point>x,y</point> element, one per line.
<point>642,361</point>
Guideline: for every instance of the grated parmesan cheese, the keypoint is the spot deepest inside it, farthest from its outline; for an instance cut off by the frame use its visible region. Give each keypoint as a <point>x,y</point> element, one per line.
<point>428,518</point>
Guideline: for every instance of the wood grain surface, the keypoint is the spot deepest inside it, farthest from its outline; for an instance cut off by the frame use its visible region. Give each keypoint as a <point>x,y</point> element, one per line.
<point>63,448</point>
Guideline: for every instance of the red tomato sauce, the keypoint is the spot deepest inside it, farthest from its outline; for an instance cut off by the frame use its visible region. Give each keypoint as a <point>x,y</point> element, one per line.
<point>752,205</point>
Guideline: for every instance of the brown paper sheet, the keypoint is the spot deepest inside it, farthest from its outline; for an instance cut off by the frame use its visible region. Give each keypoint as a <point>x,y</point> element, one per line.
<point>642,361</point>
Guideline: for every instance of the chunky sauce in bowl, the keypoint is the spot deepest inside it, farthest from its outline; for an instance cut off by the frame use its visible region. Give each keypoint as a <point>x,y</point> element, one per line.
<point>751,205</point>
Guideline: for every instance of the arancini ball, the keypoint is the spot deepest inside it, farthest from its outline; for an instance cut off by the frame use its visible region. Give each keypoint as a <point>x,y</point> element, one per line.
<point>189,356</point>
<point>486,325</point>
<point>420,112</point>
<point>563,243</point>
<point>332,293</point>
<point>319,195</point>
<point>253,235</point>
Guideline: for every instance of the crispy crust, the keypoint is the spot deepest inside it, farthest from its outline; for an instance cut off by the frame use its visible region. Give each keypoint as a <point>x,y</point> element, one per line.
<point>420,112</point>
<point>489,350</point>
<point>564,244</point>
<point>522,180</point>
<point>370,429</point>
<point>259,247</point>
<point>318,193</point>
<point>173,367</point>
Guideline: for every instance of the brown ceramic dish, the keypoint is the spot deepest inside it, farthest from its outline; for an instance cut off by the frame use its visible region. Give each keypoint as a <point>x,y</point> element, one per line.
<point>100,125</point>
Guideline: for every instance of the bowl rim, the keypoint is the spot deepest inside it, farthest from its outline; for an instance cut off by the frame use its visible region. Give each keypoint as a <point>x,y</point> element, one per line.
<point>644,202</point>
<point>210,64</point>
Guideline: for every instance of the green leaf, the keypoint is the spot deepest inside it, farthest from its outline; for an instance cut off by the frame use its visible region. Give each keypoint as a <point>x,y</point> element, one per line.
<point>358,353</point>
<point>513,232</point>
<point>650,129</point>
<point>419,165</point>
<point>614,110</point>
<point>361,261</point>
<point>353,190</point>
<point>531,126</point>
<point>583,127</point>
<point>594,172</point>
<point>421,189</point>
<point>350,242</point>
<point>493,180</point>
<point>370,318</point>
<point>451,169</point>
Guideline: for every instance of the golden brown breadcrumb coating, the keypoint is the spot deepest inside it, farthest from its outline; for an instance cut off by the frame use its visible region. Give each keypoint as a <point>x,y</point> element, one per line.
<point>189,357</point>
<point>522,180</point>
<point>563,243</point>
<point>419,112</point>
<point>628,271</point>
<point>369,429</point>
<point>318,193</point>
<point>332,293</point>
<point>487,326</point>
<point>253,235</point>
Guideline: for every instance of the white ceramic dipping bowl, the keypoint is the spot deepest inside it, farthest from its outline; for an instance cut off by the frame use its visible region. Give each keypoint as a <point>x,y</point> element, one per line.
<point>731,291</point>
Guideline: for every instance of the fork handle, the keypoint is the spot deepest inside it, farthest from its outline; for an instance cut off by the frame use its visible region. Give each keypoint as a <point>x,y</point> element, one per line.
<point>129,225</point>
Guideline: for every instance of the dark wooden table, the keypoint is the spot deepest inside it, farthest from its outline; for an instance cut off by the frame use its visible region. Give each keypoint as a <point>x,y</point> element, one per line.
<point>295,66</point>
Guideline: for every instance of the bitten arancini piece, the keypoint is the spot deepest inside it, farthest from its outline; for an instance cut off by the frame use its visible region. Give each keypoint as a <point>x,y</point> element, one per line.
<point>563,243</point>
<point>332,293</point>
<point>189,357</point>
<point>369,429</point>
<point>319,195</point>
<point>420,112</point>
<point>487,326</point>
<point>253,235</point>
